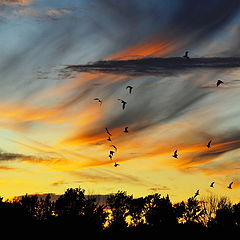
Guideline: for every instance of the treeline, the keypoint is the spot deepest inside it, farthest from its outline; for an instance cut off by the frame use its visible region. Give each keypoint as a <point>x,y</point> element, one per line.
<point>74,213</point>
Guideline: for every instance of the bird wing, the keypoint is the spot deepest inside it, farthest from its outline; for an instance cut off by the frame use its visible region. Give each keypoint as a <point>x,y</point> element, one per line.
<point>114,147</point>
<point>219,82</point>
<point>209,143</point>
<point>108,132</point>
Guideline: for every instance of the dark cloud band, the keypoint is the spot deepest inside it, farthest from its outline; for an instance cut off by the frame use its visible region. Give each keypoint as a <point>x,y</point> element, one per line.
<point>156,65</point>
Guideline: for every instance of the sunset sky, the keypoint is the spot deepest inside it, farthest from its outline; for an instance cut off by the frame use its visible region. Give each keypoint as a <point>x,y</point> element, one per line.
<point>52,131</point>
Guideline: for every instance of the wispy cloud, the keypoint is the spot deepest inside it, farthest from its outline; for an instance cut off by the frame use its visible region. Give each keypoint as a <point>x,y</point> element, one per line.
<point>100,175</point>
<point>178,30</point>
<point>159,188</point>
<point>6,156</point>
<point>60,11</point>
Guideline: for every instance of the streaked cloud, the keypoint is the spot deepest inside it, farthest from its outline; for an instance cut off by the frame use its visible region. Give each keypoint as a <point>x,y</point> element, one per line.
<point>60,11</point>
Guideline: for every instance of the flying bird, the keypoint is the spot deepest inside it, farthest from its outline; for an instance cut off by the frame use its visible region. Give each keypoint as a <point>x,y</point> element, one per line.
<point>175,155</point>
<point>116,164</point>
<point>186,55</point>
<point>108,132</point>
<point>130,89</point>
<point>209,144</point>
<point>230,185</point>
<point>109,139</point>
<point>123,103</point>
<point>111,153</point>
<point>211,185</point>
<point>97,99</point>
<point>196,193</point>
<point>114,147</point>
<point>219,82</point>
<point>126,130</point>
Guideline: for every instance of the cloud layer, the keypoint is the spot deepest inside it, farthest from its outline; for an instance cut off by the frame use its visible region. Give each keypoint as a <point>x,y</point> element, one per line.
<point>160,66</point>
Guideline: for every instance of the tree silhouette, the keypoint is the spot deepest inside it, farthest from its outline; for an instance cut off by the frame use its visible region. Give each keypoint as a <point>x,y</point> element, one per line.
<point>73,209</point>
<point>119,206</point>
<point>159,211</point>
<point>136,210</point>
<point>180,209</point>
<point>236,214</point>
<point>45,208</point>
<point>74,213</point>
<point>209,205</point>
<point>71,203</point>
<point>30,204</point>
<point>224,218</point>
<point>193,212</point>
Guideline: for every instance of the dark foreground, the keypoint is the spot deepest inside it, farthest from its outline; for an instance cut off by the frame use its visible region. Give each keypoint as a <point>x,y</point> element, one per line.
<point>75,215</point>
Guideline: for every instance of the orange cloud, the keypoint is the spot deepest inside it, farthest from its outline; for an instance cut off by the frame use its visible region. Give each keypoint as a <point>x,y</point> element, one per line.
<point>93,135</point>
<point>5,168</point>
<point>148,49</point>
<point>16,2</point>
<point>223,168</point>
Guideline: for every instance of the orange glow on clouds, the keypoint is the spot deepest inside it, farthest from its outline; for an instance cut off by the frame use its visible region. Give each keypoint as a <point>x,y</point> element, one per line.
<point>152,48</point>
<point>16,2</point>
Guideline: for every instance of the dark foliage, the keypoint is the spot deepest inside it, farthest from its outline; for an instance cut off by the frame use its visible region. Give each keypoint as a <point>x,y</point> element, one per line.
<point>73,214</point>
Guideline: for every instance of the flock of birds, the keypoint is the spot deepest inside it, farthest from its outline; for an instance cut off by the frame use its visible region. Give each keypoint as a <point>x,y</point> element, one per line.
<point>175,154</point>
<point>111,152</point>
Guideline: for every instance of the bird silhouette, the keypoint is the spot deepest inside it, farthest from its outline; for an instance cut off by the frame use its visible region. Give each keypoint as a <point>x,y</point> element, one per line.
<point>97,99</point>
<point>111,153</point>
<point>186,55</point>
<point>175,155</point>
<point>108,132</point>
<point>211,185</point>
<point>209,144</point>
<point>130,89</point>
<point>196,193</point>
<point>219,82</point>
<point>114,147</point>
<point>123,103</point>
<point>109,139</point>
<point>116,164</point>
<point>230,185</point>
<point>126,130</point>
